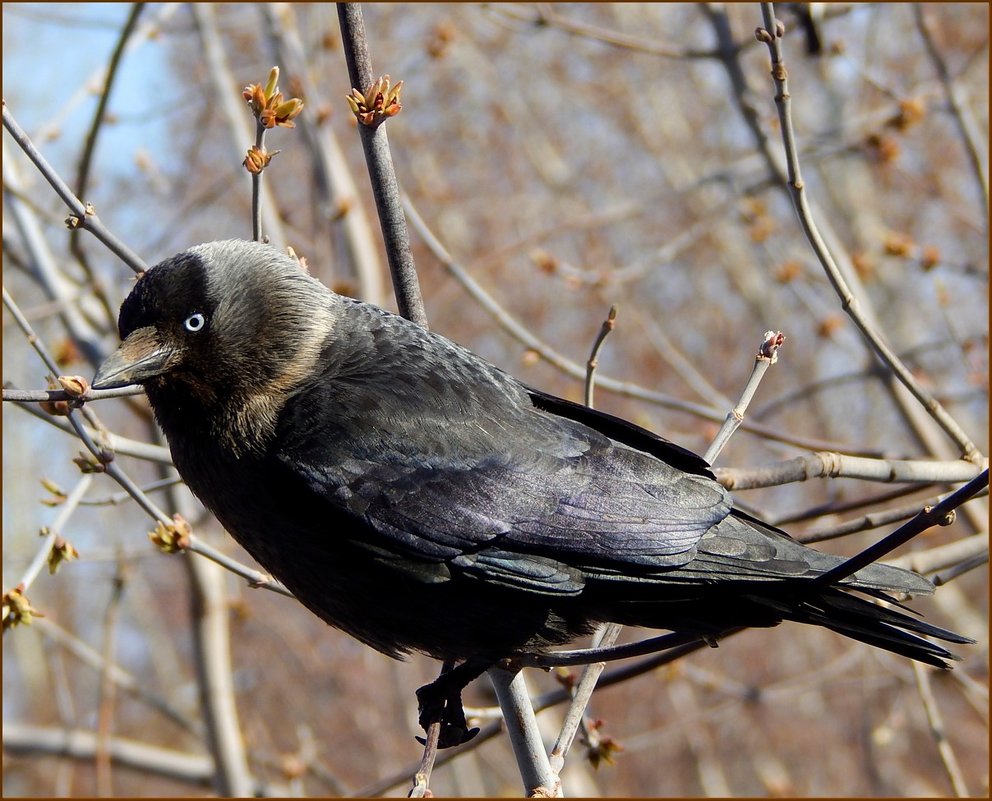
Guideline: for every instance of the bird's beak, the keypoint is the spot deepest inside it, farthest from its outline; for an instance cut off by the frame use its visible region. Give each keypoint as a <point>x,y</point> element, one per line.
<point>141,356</point>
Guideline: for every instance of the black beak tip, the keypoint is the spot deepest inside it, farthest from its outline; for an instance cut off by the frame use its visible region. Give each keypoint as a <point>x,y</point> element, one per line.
<point>140,358</point>
<point>103,381</point>
<point>115,372</point>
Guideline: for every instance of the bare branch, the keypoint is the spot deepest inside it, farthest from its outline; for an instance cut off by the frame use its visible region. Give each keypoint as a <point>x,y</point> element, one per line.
<point>938,731</point>
<point>834,465</point>
<point>545,15</point>
<point>82,216</point>
<point>963,119</point>
<point>872,520</point>
<point>58,525</point>
<point>223,83</point>
<point>339,205</point>
<point>82,745</point>
<point>939,515</point>
<point>89,149</point>
<point>771,35</point>
<point>385,188</point>
<point>608,325</point>
<point>525,737</point>
<point>767,356</point>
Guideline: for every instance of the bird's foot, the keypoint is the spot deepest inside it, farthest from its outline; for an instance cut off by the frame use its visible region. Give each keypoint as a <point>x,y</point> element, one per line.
<point>441,702</point>
<point>448,711</point>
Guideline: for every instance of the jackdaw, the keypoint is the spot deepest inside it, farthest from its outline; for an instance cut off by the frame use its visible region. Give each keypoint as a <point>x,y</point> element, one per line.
<point>421,499</point>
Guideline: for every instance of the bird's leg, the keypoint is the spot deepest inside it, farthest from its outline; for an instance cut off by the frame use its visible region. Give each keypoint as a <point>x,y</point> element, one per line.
<point>441,701</point>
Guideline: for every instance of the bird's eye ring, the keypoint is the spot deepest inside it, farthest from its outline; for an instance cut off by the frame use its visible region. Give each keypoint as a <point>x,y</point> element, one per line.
<point>195,322</point>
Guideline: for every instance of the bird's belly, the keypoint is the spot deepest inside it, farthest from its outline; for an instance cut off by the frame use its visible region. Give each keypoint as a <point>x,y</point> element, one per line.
<point>394,604</point>
<point>390,606</point>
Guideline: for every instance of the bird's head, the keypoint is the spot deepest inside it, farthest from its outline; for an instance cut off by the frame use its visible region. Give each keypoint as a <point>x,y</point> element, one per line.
<point>220,325</point>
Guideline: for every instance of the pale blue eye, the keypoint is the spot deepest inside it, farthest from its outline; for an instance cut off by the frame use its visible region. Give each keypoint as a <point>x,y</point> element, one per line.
<point>195,322</point>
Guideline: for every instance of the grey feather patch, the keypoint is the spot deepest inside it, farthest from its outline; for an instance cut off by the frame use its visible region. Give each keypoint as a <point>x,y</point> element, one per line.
<point>537,575</point>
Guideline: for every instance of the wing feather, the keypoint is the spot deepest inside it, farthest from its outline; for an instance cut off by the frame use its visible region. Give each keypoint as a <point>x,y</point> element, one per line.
<point>455,462</point>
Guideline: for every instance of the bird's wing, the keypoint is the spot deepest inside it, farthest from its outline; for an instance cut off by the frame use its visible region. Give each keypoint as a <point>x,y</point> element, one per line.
<point>624,431</point>
<point>519,496</point>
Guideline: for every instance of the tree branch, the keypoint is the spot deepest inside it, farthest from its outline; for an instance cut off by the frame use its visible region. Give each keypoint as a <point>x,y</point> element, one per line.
<point>771,35</point>
<point>385,187</point>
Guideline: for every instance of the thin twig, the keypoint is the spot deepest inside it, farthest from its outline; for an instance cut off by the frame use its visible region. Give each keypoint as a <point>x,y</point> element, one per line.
<point>255,578</point>
<point>767,355</point>
<point>964,121</point>
<point>68,506</point>
<point>871,520</point>
<point>608,325</point>
<point>122,497</point>
<point>89,145</point>
<point>338,208</point>
<point>546,16</point>
<point>107,694</point>
<point>939,732</point>
<point>52,395</point>
<point>969,563</point>
<point>581,696</point>
<point>422,778</point>
<point>941,514</point>
<point>385,187</point>
<point>256,187</point>
<point>585,656</point>
<point>771,34</point>
<point>840,506</point>
<point>82,215</point>
<point>89,149</point>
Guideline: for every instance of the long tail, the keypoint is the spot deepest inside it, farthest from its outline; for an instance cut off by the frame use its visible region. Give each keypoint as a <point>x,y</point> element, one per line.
<point>748,574</point>
<point>839,608</point>
<point>860,619</point>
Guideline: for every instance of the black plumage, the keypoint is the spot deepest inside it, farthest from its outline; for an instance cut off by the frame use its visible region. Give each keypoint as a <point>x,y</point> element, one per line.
<point>420,499</point>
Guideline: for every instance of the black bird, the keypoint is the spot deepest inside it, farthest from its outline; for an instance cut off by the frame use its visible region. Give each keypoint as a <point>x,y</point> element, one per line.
<point>421,499</point>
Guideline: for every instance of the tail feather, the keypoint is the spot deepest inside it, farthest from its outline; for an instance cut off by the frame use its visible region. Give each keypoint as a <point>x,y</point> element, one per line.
<point>746,573</point>
<point>840,608</point>
<point>870,623</point>
<point>857,606</point>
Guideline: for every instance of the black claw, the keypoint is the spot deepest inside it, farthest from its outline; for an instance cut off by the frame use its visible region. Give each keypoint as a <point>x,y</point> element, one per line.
<point>441,702</point>
<point>450,738</point>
